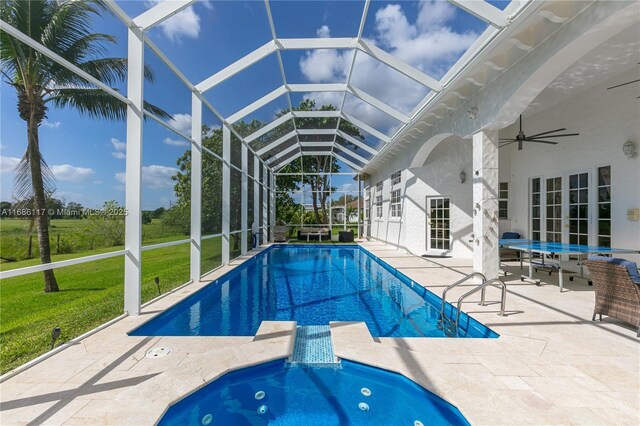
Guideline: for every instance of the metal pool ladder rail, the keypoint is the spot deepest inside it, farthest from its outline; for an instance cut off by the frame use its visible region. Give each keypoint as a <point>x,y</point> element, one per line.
<point>447,324</point>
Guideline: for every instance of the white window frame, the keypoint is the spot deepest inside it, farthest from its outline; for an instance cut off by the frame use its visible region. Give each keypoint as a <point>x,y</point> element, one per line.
<point>396,203</point>
<point>379,205</point>
<point>396,178</point>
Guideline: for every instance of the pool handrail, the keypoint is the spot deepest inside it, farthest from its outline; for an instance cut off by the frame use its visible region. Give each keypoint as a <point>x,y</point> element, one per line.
<point>493,282</point>
<point>460,281</point>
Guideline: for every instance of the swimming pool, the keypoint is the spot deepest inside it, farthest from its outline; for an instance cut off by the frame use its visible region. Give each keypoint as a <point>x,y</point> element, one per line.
<point>312,285</point>
<point>275,394</point>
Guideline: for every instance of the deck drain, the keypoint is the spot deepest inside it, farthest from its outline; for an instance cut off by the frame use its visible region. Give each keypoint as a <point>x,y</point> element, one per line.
<point>158,352</point>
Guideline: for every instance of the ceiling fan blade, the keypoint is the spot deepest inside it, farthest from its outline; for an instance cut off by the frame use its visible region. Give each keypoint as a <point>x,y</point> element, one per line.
<point>508,143</point>
<point>507,140</point>
<point>623,84</point>
<point>556,136</point>
<point>538,141</point>
<point>550,131</point>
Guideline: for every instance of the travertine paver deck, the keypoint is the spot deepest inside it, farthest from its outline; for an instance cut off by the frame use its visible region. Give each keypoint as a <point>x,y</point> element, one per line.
<point>551,365</point>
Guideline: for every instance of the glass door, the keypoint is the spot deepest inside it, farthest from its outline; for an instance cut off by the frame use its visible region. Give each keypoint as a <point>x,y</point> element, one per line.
<point>535,227</point>
<point>554,209</point>
<point>438,223</point>
<point>579,208</point>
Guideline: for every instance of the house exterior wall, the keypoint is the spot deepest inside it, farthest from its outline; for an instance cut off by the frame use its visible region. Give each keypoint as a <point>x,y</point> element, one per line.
<point>604,119</point>
<point>439,176</point>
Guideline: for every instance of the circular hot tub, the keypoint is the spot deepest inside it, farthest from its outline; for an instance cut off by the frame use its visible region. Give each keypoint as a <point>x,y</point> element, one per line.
<point>277,393</point>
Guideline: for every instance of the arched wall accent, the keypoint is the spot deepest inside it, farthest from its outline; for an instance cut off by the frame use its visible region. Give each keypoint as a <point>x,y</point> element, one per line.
<point>424,151</point>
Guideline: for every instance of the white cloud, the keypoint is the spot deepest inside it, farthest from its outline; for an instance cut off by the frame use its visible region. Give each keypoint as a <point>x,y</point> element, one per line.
<point>324,32</point>
<point>63,172</point>
<point>175,142</point>
<point>184,24</point>
<point>428,44</point>
<point>8,164</point>
<point>69,173</point>
<point>118,145</point>
<point>181,122</point>
<point>153,177</point>
<point>120,148</point>
<point>349,187</point>
<point>51,124</point>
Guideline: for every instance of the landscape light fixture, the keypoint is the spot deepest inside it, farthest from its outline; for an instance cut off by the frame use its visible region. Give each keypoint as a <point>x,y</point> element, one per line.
<point>157,281</point>
<point>55,333</point>
<point>629,149</point>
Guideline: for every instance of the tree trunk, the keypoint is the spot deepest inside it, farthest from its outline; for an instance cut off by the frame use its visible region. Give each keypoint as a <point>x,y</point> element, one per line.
<point>40,199</point>
<point>314,198</point>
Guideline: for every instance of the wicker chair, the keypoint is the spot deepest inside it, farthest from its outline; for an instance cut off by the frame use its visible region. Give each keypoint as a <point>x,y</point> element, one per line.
<point>616,294</point>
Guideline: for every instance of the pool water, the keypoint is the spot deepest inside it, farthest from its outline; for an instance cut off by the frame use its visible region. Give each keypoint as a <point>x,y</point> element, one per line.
<point>312,285</point>
<point>276,394</point>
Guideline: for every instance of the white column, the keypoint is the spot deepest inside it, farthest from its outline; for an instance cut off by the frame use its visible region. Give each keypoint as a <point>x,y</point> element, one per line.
<point>485,203</point>
<point>256,196</point>
<point>244,201</point>
<point>359,200</point>
<point>226,192</point>
<point>272,205</point>
<point>196,186</point>
<point>265,203</point>
<point>133,182</point>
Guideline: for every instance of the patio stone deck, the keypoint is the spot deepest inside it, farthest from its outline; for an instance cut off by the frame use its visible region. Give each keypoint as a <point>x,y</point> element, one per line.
<point>551,365</point>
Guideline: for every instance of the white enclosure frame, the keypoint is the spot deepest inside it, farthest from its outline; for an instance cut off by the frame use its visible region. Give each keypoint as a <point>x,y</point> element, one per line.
<point>264,174</point>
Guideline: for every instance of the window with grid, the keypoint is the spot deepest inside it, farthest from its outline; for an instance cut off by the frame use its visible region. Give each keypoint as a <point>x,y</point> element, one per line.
<point>535,209</point>
<point>379,187</point>
<point>503,200</point>
<point>367,203</point>
<point>378,205</point>
<point>554,209</point>
<point>396,206</point>
<point>396,178</point>
<point>604,206</point>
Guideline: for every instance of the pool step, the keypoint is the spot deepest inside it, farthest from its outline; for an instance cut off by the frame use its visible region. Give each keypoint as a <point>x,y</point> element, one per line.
<point>313,347</point>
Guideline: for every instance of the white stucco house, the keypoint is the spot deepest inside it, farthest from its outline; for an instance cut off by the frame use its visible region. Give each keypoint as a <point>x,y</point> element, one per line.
<point>446,185</point>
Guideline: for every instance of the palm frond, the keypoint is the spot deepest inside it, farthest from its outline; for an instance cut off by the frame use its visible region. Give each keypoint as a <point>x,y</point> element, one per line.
<point>23,189</point>
<point>95,103</point>
<point>98,104</point>
<point>157,111</point>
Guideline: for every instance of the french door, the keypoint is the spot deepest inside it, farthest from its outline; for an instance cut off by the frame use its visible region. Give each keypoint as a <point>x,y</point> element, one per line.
<point>438,223</point>
<point>560,211</point>
<point>579,209</point>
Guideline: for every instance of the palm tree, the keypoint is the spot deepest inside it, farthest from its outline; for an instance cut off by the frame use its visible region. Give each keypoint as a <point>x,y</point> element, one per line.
<point>63,27</point>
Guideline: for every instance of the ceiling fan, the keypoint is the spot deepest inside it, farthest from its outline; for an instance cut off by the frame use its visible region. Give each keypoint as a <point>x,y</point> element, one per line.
<point>537,138</point>
<point>624,84</point>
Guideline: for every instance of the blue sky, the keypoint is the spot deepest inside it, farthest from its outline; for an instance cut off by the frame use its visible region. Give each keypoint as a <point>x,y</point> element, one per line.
<point>87,156</point>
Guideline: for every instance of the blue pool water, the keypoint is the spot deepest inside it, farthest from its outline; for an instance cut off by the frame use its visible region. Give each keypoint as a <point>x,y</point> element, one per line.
<point>295,396</point>
<point>312,285</point>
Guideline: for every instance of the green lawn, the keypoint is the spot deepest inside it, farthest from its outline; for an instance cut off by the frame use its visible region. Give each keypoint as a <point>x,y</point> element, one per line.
<point>91,294</point>
<point>76,236</point>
